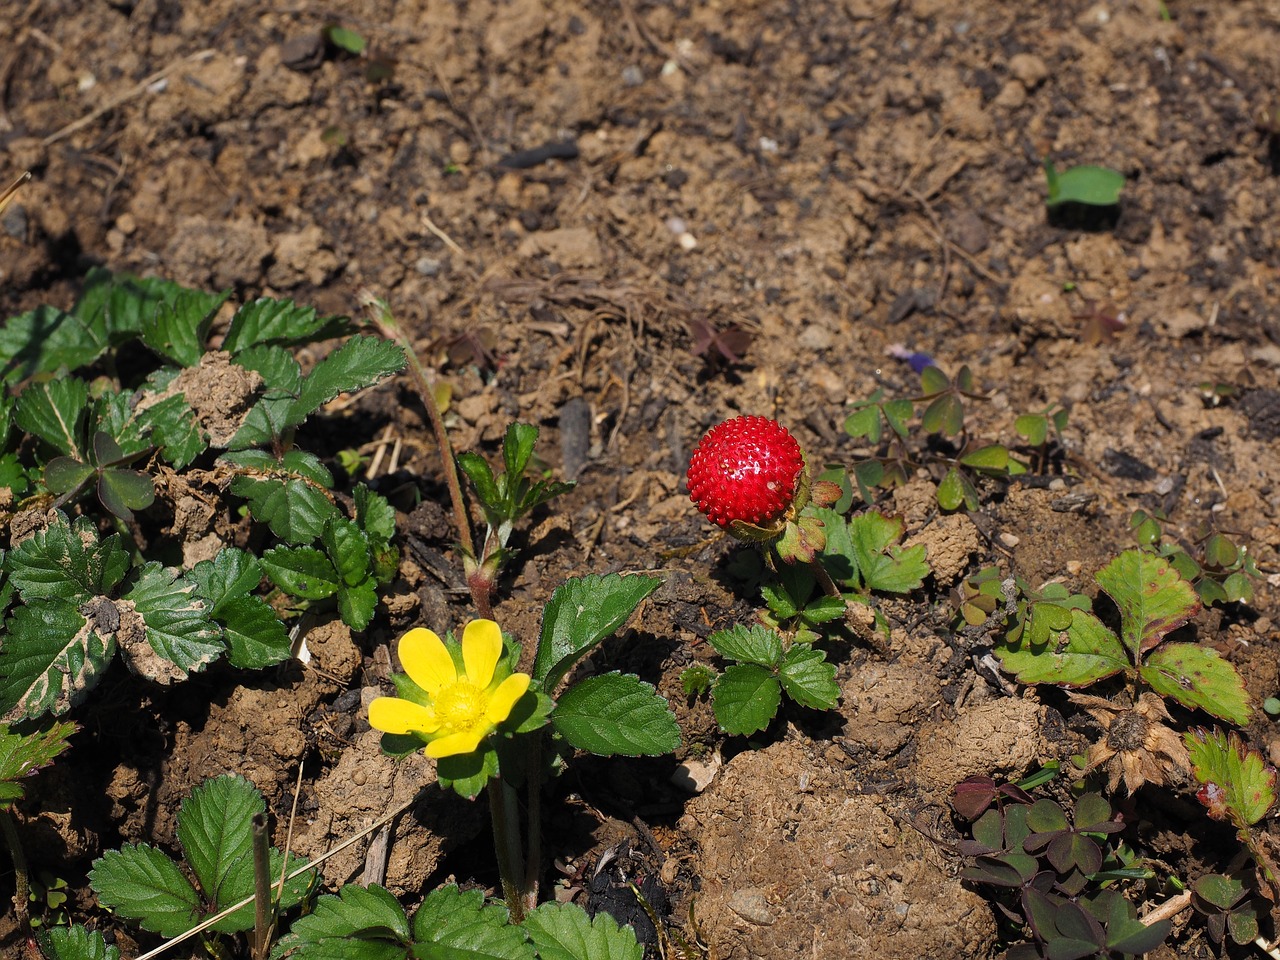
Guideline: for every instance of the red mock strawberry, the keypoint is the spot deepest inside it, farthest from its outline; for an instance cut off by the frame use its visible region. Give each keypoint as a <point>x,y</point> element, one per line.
<point>747,470</point>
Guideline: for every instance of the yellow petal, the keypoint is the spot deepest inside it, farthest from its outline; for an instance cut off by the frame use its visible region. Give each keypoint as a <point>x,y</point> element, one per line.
<point>481,648</point>
<point>426,660</point>
<point>504,698</point>
<point>456,744</point>
<point>393,715</point>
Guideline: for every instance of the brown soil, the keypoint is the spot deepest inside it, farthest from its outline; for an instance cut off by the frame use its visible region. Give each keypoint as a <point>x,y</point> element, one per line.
<point>828,178</point>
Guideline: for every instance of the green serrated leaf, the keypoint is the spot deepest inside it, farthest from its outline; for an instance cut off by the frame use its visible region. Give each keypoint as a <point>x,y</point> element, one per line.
<point>1090,653</point>
<point>67,561</point>
<point>232,574</point>
<point>616,713</point>
<point>358,363</point>
<point>215,832</point>
<point>348,549</point>
<point>563,931</point>
<point>581,613</point>
<point>746,698</point>
<point>254,635</point>
<point>140,883</point>
<point>1152,598</point>
<point>45,339</point>
<point>375,514</point>
<point>172,427</point>
<point>50,660</point>
<point>1196,676</point>
<point>75,943</point>
<point>178,627</point>
<point>54,411</point>
<point>748,644</point>
<point>295,510</point>
<point>177,328</point>
<point>884,565</point>
<point>356,604</point>
<point>361,923</point>
<point>21,755</point>
<point>267,321</point>
<point>277,367</point>
<point>808,679</point>
<point>302,571</point>
<point>462,924</point>
<point>481,476</point>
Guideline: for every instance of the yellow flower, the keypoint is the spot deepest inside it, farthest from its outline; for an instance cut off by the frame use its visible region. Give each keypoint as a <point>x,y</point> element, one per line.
<point>461,709</point>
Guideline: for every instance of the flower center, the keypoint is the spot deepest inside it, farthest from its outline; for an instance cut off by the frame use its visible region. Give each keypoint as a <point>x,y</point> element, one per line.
<point>460,707</point>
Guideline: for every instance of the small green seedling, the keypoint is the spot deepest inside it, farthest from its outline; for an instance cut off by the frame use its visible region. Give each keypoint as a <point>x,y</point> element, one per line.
<point>1221,570</point>
<point>1039,428</point>
<point>1153,600</point>
<point>345,39</point>
<point>1091,186</point>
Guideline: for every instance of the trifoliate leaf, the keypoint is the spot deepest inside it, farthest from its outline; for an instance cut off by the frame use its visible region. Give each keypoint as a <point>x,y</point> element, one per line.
<point>1090,653</point>
<point>179,630</point>
<point>123,491</point>
<point>51,658</point>
<point>1152,598</point>
<point>54,411</point>
<point>616,713</point>
<point>64,474</point>
<point>348,548</point>
<point>748,644</point>
<point>215,833</point>
<point>22,754</point>
<point>460,926</point>
<point>1239,787</point>
<point>254,635</point>
<point>277,321</point>
<point>361,923</point>
<point>67,561</point>
<point>581,613</point>
<point>358,363</point>
<point>745,698</point>
<point>138,882</point>
<point>302,571</point>
<point>357,604</point>
<point>563,931</point>
<point>295,510</point>
<point>808,679</point>
<point>1196,676</point>
<point>75,943</point>
<point>44,339</point>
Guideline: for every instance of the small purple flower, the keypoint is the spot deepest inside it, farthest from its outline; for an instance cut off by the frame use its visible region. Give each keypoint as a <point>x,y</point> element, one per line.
<point>917,361</point>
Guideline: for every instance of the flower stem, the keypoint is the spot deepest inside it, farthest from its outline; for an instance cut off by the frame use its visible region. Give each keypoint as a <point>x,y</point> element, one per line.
<point>505,815</point>
<point>387,325</point>
<point>21,889</point>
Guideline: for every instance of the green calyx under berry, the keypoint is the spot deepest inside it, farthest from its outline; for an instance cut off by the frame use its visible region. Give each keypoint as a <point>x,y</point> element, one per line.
<point>749,476</point>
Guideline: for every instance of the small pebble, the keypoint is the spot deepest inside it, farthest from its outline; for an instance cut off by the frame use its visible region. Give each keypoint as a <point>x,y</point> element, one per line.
<point>751,904</point>
<point>1010,540</point>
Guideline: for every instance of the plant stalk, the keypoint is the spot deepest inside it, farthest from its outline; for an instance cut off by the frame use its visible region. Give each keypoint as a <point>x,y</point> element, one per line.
<point>505,815</point>
<point>21,886</point>
<point>423,380</point>
<point>263,919</point>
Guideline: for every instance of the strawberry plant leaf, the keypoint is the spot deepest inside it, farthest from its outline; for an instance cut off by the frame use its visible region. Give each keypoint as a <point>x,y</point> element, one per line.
<point>581,612</point>
<point>177,327</point>
<point>748,644</point>
<point>348,548</point>
<point>54,411</point>
<point>22,754</point>
<point>67,561</point>
<point>361,923</point>
<point>358,363</point>
<point>173,428</point>
<point>254,635</point>
<point>616,713</point>
<point>1091,653</point>
<point>1196,676</point>
<point>356,604</point>
<point>375,515</point>
<point>215,832</point>
<point>1239,787</point>
<point>745,698</point>
<point>139,882</point>
<point>1152,597</point>
<point>563,931</point>
<point>808,679</point>
<point>455,924</point>
<point>44,339</point>
<point>295,510</point>
<point>178,627</point>
<point>302,571</point>
<point>268,321</point>
<point>50,660</point>
<point>75,943</point>
<point>277,367</point>
<point>231,574</point>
